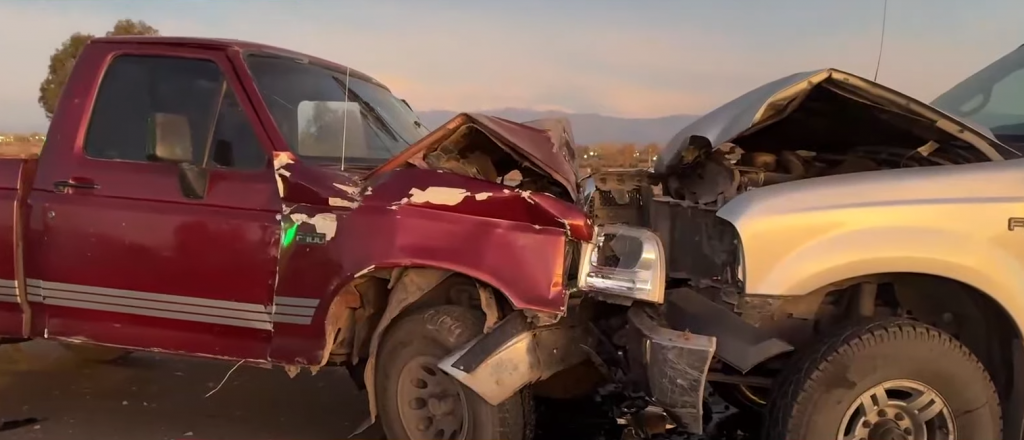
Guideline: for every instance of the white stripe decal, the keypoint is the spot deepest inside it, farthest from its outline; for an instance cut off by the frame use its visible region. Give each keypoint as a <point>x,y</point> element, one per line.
<point>160,314</point>
<point>293,301</point>
<point>46,285</point>
<point>57,294</point>
<point>288,310</point>
<point>293,319</point>
<point>291,310</point>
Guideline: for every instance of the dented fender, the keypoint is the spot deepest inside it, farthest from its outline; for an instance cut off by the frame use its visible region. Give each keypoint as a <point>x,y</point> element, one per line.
<point>514,241</point>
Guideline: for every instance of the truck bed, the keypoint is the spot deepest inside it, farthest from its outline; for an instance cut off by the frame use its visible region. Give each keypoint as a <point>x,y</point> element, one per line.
<point>17,170</point>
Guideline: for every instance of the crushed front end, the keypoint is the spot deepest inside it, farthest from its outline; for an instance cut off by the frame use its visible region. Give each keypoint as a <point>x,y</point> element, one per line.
<point>618,321</point>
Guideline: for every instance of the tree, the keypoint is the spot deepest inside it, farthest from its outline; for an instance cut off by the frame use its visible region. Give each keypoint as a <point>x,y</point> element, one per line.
<point>63,59</point>
<point>127,26</point>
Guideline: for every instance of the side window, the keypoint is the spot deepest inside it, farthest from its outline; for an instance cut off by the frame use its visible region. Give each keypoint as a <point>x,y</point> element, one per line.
<point>135,88</point>
<point>234,143</point>
<point>1005,110</point>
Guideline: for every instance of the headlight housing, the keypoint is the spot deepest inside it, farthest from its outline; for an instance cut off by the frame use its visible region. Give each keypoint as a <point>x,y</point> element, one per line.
<point>623,264</point>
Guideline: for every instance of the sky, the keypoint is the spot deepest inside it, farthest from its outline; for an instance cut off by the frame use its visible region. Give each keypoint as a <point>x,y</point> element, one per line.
<point>629,58</point>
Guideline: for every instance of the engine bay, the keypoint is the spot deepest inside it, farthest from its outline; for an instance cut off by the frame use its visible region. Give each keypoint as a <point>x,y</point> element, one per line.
<point>829,132</point>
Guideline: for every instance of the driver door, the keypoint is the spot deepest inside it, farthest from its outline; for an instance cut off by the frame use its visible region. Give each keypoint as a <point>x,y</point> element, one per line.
<point>125,248</point>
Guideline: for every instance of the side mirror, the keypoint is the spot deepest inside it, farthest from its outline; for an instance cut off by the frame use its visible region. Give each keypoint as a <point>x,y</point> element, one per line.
<point>171,141</point>
<point>170,138</point>
<point>194,180</point>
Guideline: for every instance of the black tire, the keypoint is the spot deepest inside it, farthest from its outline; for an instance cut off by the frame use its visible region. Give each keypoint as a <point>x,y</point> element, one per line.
<point>95,353</point>
<point>434,333</point>
<point>823,383</point>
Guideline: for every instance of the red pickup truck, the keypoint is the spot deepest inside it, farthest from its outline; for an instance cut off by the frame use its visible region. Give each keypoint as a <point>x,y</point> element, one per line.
<point>238,201</point>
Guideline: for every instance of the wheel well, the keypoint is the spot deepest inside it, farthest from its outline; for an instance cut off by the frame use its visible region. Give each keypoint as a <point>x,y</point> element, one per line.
<point>356,312</point>
<point>970,315</point>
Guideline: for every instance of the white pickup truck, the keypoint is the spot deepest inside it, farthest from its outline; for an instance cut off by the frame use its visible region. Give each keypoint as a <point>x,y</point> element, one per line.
<point>849,259</point>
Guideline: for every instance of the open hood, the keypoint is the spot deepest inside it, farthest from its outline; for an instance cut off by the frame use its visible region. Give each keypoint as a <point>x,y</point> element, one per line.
<point>776,100</point>
<point>541,150</point>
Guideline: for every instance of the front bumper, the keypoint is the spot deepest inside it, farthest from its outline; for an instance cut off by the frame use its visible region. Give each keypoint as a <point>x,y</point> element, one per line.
<point>672,366</point>
<point>672,347</point>
<point>517,353</point>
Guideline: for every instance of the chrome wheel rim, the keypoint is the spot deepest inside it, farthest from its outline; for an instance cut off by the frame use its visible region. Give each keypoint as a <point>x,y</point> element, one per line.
<point>431,404</point>
<point>898,410</point>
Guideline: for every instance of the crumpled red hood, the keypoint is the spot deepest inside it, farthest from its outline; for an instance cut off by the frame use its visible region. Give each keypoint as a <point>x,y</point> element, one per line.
<point>544,144</point>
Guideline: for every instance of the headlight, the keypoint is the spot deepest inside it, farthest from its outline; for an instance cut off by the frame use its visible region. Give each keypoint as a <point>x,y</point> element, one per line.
<point>623,264</point>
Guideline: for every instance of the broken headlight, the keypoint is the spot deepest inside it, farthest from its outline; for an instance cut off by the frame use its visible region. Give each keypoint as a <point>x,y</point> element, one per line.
<point>623,264</point>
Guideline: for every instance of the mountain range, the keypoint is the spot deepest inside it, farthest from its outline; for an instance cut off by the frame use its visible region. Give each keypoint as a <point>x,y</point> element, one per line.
<point>587,128</point>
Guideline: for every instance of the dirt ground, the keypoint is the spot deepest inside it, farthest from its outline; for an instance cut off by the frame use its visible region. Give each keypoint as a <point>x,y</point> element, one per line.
<point>149,396</point>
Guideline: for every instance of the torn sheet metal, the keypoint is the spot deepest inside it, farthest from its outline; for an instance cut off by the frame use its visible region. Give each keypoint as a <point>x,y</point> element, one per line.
<point>546,145</point>
<point>280,160</point>
<point>438,195</point>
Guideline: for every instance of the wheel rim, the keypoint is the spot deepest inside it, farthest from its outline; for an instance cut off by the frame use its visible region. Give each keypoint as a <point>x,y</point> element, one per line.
<point>898,410</point>
<point>431,404</point>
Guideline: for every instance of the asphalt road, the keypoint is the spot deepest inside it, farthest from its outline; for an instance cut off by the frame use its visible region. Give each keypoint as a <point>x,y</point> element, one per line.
<point>150,396</point>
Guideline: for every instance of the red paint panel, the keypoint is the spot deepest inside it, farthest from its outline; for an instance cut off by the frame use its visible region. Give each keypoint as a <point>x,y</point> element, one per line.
<point>10,311</point>
<point>512,241</point>
<point>165,335</point>
<point>137,232</point>
<point>14,173</point>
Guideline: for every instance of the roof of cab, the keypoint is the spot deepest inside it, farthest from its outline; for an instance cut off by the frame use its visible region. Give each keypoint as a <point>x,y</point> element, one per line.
<point>227,43</point>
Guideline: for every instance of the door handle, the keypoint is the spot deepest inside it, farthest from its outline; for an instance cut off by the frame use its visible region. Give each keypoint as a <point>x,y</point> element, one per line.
<point>79,183</point>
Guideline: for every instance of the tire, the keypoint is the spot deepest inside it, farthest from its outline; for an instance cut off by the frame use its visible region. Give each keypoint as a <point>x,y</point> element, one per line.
<point>820,387</point>
<point>95,353</point>
<point>415,343</point>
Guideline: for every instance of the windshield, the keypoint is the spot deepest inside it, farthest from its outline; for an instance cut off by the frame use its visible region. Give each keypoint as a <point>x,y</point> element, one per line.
<point>333,117</point>
<point>993,97</point>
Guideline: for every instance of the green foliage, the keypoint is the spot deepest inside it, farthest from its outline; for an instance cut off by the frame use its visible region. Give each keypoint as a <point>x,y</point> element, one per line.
<point>131,27</point>
<point>63,59</point>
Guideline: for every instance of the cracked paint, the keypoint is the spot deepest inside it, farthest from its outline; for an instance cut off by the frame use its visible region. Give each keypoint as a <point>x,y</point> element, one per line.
<point>335,201</point>
<point>351,190</point>
<point>325,223</point>
<point>438,195</point>
<point>564,222</point>
<point>482,196</point>
<point>365,271</point>
<point>280,160</point>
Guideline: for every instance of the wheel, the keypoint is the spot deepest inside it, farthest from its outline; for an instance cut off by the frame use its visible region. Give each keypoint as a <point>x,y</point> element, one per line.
<point>417,401</point>
<point>895,379</point>
<point>742,397</point>
<point>95,353</point>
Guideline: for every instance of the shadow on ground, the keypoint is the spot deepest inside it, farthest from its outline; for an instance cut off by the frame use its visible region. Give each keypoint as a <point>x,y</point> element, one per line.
<point>150,396</point>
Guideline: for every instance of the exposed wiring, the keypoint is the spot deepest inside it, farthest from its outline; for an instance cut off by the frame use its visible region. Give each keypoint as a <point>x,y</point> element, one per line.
<point>226,376</point>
